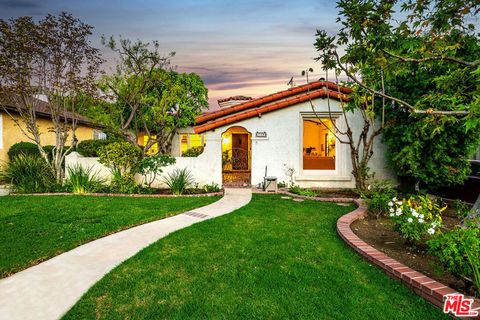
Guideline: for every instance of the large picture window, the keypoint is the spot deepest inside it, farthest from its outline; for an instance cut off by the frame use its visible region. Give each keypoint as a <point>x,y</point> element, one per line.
<point>318,144</point>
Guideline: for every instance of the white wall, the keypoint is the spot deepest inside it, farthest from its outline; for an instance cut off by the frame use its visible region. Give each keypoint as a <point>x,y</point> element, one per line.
<point>204,168</point>
<point>283,146</point>
<point>73,159</point>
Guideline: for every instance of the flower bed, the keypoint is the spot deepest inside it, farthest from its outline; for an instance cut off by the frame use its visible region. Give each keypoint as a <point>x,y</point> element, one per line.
<point>379,234</point>
<point>431,290</point>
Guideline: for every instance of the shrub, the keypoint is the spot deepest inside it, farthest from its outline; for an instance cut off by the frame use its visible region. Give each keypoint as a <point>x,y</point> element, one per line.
<point>90,148</point>
<point>123,183</point>
<point>213,187</point>
<point>179,180</point>
<point>415,217</point>
<point>193,152</point>
<point>377,196</point>
<point>119,156</point>
<point>29,174</point>
<point>302,191</point>
<point>152,165</point>
<point>26,149</point>
<point>462,209</point>
<point>81,180</point>
<point>454,247</point>
<point>474,260</point>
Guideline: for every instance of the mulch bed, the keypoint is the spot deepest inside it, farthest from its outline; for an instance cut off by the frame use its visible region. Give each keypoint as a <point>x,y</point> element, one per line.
<point>379,234</point>
<point>325,193</point>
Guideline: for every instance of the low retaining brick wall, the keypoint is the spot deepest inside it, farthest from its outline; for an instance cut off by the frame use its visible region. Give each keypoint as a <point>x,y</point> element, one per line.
<point>426,287</point>
<point>133,195</point>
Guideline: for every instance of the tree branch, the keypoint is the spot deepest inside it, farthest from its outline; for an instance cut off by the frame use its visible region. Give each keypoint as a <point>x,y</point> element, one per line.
<point>433,58</point>
<point>401,102</point>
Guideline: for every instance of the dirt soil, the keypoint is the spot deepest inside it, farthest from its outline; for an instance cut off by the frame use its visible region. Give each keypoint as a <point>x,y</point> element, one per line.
<point>379,234</point>
<point>336,193</point>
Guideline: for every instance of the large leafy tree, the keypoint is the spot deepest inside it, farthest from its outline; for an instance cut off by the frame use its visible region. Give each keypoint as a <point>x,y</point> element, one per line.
<point>53,58</point>
<point>172,103</point>
<point>149,97</point>
<point>424,70</point>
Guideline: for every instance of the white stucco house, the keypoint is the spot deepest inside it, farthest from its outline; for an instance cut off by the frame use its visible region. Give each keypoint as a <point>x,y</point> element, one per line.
<point>276,135</point>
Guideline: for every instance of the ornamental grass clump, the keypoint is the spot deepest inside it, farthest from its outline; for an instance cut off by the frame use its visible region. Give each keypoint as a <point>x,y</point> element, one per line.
<point>29,174</point>
<point>83,180</point>
<point>179,181</point>
<point>415,217</point>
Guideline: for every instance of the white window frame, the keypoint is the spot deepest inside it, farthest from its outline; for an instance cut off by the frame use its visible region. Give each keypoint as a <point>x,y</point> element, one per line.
<point>335,116</point>
<point>99,135</point>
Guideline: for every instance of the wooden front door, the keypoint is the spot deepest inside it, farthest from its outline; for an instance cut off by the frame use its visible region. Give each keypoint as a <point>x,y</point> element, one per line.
<point>240,151</point>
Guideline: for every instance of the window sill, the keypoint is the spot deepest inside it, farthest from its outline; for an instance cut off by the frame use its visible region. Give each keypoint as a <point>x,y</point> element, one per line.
<point>322,178</point>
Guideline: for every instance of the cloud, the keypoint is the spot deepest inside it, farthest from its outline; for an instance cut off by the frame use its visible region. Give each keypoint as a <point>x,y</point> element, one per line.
<point>19,4</point>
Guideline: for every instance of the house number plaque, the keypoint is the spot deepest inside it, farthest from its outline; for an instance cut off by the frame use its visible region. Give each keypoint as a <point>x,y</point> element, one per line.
<point>261,134</point>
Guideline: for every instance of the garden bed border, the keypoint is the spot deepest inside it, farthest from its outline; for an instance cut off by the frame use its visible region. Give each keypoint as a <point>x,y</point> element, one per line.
<point>294,195</point>
<point>429,289</point>
<point>133,195</point>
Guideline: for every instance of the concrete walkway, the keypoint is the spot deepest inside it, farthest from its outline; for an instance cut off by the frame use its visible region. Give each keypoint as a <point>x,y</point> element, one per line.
<point>50,289</point>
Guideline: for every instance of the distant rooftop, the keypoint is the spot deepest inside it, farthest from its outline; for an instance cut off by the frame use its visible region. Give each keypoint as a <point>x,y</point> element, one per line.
<point>235,98</point>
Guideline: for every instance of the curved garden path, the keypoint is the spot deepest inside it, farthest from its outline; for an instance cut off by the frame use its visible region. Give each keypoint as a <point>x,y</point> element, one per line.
<point>50,289</point>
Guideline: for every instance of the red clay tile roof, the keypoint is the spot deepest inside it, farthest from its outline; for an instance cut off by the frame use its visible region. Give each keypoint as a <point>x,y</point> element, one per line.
<point>246,114</point>
<point>235,98</point>
<point>272,102</point>
<point>271,98</point>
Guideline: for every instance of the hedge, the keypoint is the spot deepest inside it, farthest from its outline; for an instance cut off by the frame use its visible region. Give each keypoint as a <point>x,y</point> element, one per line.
<point>27,149</point>
<point>90,148</point>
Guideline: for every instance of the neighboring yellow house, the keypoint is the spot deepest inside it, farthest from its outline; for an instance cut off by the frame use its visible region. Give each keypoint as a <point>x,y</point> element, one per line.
<point>10,133</point>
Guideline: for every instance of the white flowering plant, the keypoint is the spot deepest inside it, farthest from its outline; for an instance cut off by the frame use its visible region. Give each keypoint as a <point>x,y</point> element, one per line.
<point>416,217</point>
<point>377,195</point>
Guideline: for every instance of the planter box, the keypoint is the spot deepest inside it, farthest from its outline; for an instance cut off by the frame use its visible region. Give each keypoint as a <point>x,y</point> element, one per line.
<point>4,190</point>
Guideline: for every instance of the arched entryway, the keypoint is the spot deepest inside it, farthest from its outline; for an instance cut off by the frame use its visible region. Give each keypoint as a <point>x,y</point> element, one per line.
<point>236,157</point>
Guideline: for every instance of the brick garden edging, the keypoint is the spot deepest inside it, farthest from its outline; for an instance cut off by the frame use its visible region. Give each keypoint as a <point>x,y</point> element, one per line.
<point>133,195</point>
<point>431,290</point>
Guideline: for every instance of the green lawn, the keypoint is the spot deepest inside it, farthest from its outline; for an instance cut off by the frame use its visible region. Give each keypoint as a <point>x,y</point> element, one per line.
<point>35,228</point>
<point>272,259</point>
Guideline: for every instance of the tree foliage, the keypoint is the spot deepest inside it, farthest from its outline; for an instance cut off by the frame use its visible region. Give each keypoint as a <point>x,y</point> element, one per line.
<point>149,96</point>
<point>424,70</point>
<point>151,166</point>
<point>120,157</point>
<point>54,58</point>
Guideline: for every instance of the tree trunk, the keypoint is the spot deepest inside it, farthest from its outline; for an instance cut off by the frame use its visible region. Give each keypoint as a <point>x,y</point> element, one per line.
<point>474,214</point>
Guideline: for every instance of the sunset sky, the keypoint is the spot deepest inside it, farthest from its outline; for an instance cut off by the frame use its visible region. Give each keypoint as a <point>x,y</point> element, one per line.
<point>247,48</point>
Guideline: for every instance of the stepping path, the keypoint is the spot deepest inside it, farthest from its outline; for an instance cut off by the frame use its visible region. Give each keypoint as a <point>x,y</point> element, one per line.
<point>49,289</point>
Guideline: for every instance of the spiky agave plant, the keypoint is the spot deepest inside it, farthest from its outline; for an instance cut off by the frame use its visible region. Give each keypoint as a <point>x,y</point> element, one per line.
<point>179,180</point>
<point>83,180</point>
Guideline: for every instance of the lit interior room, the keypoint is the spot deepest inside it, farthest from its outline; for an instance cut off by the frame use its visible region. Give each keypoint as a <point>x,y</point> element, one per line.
<point>318,144</point>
